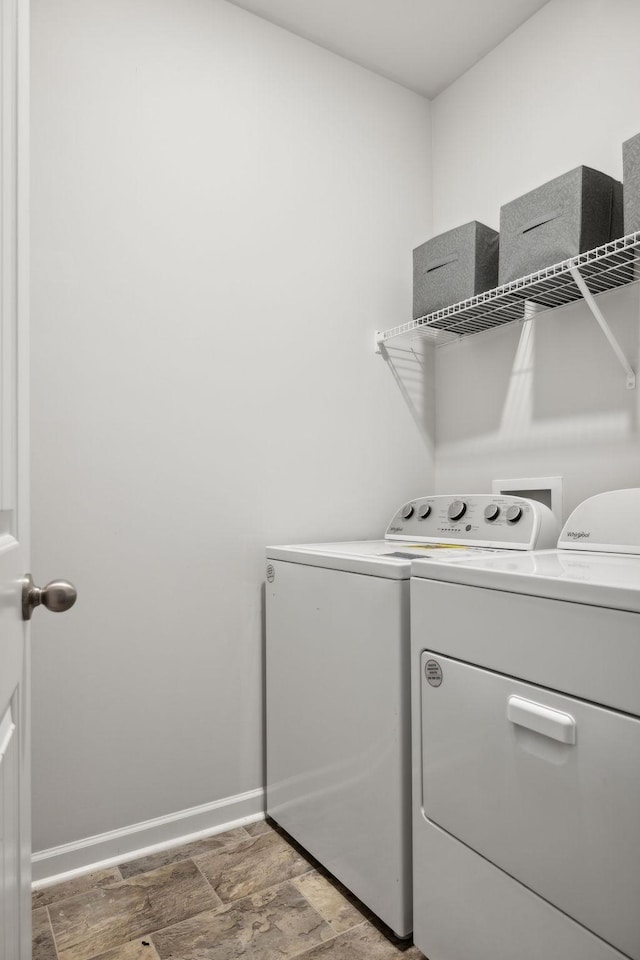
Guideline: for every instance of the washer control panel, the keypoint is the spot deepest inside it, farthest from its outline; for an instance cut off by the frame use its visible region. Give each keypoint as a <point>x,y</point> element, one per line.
<point>483,519</point>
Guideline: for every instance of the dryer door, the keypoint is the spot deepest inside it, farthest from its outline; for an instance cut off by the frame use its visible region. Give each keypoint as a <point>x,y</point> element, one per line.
<point>544,786</point>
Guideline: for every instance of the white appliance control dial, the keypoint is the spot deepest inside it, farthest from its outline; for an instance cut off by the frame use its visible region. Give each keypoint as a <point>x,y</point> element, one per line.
<point>424,511</point>
<point>457,510</point>
<point>407,512</point>
<point>492,512</point>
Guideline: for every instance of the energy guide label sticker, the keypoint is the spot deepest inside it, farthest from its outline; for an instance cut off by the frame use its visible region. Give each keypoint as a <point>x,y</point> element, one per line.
<point>433,673</point>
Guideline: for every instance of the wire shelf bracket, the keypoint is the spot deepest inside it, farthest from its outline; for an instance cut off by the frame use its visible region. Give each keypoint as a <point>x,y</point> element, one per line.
<point>604,326</point>
<point>607,267</point>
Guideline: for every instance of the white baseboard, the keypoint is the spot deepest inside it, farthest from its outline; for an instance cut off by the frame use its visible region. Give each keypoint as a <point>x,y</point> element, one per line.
<point>140,839</point>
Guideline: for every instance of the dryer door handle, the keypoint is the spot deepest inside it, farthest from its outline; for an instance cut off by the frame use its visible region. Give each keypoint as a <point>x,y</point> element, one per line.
<point>535,716</point>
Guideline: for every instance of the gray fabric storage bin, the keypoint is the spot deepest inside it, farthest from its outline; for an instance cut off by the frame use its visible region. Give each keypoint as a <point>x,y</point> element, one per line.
<point>617,220</point>
<point>631,178</point>
<point>573,213</point>
<point>454,266</point>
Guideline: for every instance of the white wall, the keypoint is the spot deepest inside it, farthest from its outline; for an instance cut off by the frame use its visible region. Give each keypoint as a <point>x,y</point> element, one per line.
<point>222,216</point>
<point>561,91</point>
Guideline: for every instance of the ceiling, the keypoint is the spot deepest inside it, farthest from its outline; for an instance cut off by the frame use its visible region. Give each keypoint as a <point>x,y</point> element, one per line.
<point>422,44</point>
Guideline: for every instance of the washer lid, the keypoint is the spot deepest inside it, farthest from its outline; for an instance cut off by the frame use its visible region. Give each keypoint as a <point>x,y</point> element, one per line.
<point>605,580</point>
<point>377,558</point>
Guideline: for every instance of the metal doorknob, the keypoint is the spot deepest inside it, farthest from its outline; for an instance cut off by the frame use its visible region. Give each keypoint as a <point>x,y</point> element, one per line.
<point>57,596</point>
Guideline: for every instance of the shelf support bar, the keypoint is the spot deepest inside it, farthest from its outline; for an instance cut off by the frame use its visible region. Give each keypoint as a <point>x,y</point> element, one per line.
<point>532,309</point>
<point>604,326</point>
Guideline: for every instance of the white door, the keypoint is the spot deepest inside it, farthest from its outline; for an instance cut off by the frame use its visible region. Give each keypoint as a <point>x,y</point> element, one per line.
<point>15,914</point>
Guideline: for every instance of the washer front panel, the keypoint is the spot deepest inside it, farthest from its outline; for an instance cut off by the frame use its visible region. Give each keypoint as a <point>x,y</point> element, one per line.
<point>338,727</point>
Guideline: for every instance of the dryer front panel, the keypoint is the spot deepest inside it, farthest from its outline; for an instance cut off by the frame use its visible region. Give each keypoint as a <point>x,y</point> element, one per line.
<point>546,787</point>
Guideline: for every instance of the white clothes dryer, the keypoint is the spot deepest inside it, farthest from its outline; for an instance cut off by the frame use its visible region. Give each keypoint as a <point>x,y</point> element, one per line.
<point>526,747</point>
<point>338,719</point>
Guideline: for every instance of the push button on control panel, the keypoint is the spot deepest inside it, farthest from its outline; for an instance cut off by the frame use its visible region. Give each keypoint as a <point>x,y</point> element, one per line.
<point>457,510</point>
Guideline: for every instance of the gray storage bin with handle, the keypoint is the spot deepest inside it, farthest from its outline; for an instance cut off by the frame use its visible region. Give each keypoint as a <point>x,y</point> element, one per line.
<point>454,266</point>
<point>558,220</point>
<point>631,177</point>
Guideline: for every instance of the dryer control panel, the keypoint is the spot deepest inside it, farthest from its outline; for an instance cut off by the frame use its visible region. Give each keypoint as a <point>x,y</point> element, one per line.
<point>606,523</point>
<point>480,519</point>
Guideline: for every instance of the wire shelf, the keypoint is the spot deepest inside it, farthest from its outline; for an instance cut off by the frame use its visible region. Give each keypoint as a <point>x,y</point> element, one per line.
<point>612,265</point>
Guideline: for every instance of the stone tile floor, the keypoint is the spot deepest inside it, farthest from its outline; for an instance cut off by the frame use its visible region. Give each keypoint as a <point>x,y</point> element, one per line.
<point>250,893</point>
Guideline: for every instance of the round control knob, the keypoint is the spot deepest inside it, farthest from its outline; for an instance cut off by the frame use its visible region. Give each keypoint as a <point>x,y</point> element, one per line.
<point>407,512</point>
<point>492,512</point>
<point>513,513</point>
<point>457,510</point>
<point>424,511</point>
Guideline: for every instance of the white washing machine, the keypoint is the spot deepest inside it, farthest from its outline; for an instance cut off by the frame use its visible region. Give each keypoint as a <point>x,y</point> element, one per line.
<point>526,746</point>
<point>338,684</point>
